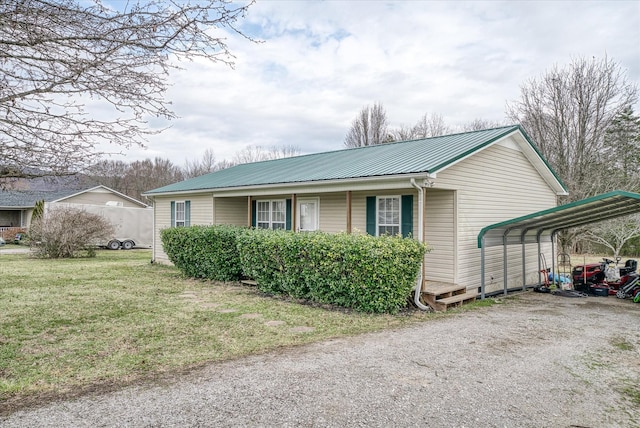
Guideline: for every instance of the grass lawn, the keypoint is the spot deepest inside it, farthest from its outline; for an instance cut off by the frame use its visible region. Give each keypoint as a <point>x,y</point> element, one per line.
<point>68,326</point>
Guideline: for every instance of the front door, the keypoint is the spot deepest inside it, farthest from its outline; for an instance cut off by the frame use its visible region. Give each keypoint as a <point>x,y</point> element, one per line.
<point>308,209</point>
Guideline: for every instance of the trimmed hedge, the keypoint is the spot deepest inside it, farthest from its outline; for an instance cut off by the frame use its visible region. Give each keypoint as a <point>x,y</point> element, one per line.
<point>204,251</point>
<point>366,273</point>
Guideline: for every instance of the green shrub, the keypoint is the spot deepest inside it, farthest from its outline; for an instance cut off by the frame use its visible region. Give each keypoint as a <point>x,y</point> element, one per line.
<point>204,251</point>
<point>362,272</point>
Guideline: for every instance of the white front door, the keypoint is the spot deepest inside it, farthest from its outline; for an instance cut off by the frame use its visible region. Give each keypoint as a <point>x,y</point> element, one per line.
<point>307,213</point>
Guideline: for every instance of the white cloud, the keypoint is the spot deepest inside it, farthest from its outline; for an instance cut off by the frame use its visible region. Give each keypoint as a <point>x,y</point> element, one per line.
<point>321,62</point>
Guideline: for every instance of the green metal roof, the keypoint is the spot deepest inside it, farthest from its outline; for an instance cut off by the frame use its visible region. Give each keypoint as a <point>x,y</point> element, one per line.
<point>428,155</point>
<point>542,224</point>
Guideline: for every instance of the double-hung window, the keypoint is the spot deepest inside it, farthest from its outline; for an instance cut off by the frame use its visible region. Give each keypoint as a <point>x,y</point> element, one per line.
<point>271,214</point>
<point>180,213</point>
<point>388,215</point>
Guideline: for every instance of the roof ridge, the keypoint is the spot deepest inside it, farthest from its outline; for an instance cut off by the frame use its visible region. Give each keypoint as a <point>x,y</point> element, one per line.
<point>378,145</point>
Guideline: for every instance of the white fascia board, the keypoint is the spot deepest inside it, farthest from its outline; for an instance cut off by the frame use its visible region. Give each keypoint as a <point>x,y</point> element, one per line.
<point>355,185</point>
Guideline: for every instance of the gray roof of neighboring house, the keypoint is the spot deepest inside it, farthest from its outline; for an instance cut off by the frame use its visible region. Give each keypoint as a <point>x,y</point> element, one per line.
<point>427,155</point>
<point>28,198</point>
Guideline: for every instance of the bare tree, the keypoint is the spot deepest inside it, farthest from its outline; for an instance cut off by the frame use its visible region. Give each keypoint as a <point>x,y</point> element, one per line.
<point>403,133</point>
<point>204,165</point>
<point>567,113</point>
<point>430,125</point>
<point>256,153</point>
<point>478,124</point>
<point>224,164</point>
<point>150,174</point>
<point>370,127</point>
<point>284,151</point>
<point>613,234</point>
<point>64,62</point>
<point>110,173</point>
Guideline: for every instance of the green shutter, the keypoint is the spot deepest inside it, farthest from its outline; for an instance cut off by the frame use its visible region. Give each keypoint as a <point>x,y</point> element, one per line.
<point>187,213</point>
<point>254,209</point>
<point>371,215</point>
<point>173,213</point>
<point>406,225</point>
<point>287,215</point>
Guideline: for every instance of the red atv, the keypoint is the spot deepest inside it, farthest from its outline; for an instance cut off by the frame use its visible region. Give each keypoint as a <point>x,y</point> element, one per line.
<point>599,278</point>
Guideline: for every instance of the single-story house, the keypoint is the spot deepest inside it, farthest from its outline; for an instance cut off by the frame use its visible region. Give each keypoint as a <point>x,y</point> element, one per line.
<point>443,190</point>
<point>16,206</point>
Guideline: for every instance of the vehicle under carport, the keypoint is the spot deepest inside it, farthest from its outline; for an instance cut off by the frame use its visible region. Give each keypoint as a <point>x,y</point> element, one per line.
<point>543,226</point>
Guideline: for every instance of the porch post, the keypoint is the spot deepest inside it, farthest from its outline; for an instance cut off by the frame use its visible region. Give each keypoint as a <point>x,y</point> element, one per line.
<point>293,213</point>
<point>524,266</point>
<point>348,211</point>
<point>505,261</point>
<point>249,211</point>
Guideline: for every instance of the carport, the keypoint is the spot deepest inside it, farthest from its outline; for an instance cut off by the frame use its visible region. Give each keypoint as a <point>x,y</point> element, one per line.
<point>542,227</point>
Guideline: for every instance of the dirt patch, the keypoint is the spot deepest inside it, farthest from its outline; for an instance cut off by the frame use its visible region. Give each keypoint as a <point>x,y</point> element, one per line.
<point>227,311</point>
<point>252,316</point>
<point>301,329</point>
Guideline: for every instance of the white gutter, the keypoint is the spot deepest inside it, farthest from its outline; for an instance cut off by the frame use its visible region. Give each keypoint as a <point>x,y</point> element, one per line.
<point>418,290</point>
<point>333,185</point>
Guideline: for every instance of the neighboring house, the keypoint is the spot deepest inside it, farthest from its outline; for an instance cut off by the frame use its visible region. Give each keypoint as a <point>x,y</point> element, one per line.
<point>445,188</point>
<point>16,206</point>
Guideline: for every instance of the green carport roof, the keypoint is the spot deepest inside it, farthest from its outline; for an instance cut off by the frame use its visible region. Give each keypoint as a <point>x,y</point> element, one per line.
<point>543,224</point>
<point>428,155</point>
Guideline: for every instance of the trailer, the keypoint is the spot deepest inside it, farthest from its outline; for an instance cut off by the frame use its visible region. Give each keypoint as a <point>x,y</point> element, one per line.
<point>133,227</point>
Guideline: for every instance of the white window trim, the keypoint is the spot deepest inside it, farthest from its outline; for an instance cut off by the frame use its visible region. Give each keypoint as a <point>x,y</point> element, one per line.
<point>183,222</point>
<point>300,201</point>
<point>399,225</point>
<point>271,222</point>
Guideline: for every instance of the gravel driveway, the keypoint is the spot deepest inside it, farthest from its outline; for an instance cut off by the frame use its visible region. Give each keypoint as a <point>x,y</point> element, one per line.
<point>534,360</point>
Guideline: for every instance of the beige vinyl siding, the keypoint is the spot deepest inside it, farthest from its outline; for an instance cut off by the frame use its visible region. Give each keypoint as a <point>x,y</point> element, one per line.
<point>99,197</point>
<point>494,185</point>
<point>440,235</point>
<point>231,211</point>
<point>162,219</point>
<point>359,211</point>
<point>333,211</point>
<point>201,209</point>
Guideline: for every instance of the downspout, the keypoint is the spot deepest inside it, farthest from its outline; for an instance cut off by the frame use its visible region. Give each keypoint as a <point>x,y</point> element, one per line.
<point>482,270</point>
<point>418,291</point>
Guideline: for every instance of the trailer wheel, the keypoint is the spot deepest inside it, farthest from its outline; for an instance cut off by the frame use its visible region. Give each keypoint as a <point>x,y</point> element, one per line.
<point>128,244</point>
<point>113,244</point>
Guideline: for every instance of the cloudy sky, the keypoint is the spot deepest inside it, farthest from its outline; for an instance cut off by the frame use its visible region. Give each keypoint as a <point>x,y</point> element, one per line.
<point>322,61</point>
